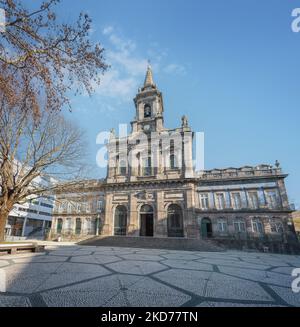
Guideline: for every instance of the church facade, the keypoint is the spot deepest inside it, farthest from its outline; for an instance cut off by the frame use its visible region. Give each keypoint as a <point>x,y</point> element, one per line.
<point>153,190</point>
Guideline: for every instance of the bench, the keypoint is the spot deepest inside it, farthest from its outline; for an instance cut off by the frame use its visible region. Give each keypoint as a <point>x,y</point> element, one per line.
<point>16,248</point>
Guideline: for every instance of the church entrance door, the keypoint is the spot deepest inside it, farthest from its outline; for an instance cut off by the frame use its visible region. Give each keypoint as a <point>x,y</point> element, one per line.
<point>146,221</point>
<point>146,224</point>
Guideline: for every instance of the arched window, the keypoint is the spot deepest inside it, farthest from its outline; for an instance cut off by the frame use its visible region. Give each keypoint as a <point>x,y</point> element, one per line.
<point>147,111</point>
<point>78,226</point>
<point>175,221</point>
<point>120,225</point>
<point>59,225</point>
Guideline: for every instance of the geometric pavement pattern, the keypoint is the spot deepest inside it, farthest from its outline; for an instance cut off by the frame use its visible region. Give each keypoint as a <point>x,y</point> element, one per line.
<point>65,276</point>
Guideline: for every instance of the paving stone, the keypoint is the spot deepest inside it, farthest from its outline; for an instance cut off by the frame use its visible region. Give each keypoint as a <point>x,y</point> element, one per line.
<point>258,276</point>
<point>41,259</point>
<point>63,279</point>
<point>136,267</point>
<point>117,276</point>
<point>236,264</point>
<point>92,293</point>
<point>63,253</point>
<point>95,259</point>
<point>143,257</point>
<point>25,284</point>
<point>180,256</point>
<point>14,301</point>
<point>287,295</point>
<point>191,281</point>
<point>232,304</point>
<point>193,265</point>
<point>214,285</point>
<point>116,290</point>
<point>227,287</point>
<point>283,270</point>
<point>70,267</point>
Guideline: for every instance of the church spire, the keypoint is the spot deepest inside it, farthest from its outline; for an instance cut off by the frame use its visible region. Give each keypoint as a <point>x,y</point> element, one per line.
<point>149,77</point>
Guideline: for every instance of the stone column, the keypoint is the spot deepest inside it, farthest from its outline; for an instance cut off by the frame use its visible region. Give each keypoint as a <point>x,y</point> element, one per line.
<point>161,228</point>
<point>133,224</point>
<point>108,220</point>
<point>283,193</point>
<point>192,230</point>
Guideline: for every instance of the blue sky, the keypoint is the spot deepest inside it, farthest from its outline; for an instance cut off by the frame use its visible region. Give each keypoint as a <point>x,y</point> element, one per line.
<point>231,66</point>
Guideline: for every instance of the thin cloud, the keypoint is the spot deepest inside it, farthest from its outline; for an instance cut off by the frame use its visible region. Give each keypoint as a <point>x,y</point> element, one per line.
<point>175,69</point>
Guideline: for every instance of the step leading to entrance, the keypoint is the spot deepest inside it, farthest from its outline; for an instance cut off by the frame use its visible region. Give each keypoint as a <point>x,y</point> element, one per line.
<point>186,244</point>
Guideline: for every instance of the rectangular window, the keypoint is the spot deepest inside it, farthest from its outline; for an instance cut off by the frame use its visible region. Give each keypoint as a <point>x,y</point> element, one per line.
<point>272,199</point>
<point>78,207</point>
<point>257,226</point>
<point>99,204</point>
<point>253,200</point>
<point>220,201</point>
<point>204,201</point>
<point>239,226</point>
<point>147,166</point>
<point>222,226</point>
<point>237,202</point>
<point>276,226</point>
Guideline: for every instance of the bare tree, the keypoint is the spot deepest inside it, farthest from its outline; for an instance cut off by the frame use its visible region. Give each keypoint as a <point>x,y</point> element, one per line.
<point>50,146</point>
<point>45,56</point>
<point>42,59</point>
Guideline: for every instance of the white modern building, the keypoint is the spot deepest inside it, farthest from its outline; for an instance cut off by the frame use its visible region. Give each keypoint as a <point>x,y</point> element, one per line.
<point>32,218</point>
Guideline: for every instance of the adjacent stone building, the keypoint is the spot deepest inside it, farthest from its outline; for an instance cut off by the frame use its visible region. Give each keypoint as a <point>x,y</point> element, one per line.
<point>152,188</point>
<point>78,211</point>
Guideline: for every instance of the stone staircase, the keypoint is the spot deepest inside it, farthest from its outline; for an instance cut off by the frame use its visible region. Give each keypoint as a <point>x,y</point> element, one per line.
<point>173,243</point>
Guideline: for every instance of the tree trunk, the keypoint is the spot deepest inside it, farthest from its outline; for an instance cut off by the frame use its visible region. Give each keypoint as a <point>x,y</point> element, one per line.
<point>3,219</point>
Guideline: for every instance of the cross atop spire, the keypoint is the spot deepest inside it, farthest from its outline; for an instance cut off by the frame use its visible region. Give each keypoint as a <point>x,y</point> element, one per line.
<point>149,76</point>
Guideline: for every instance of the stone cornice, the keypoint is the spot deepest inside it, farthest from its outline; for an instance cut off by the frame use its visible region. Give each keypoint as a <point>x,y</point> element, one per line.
<point>243,211</point>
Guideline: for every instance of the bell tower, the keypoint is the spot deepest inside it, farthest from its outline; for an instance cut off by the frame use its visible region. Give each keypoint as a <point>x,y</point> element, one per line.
<point>149,107</point>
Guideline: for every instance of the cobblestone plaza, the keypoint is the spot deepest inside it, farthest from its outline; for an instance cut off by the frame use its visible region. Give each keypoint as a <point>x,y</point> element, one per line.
<point>73,275</point>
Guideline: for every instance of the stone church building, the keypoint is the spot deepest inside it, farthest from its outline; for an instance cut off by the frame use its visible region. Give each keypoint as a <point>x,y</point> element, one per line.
<point>153,190</point>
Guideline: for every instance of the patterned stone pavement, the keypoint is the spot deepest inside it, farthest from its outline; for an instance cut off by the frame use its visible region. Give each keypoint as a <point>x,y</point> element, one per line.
<point>110,276</point>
